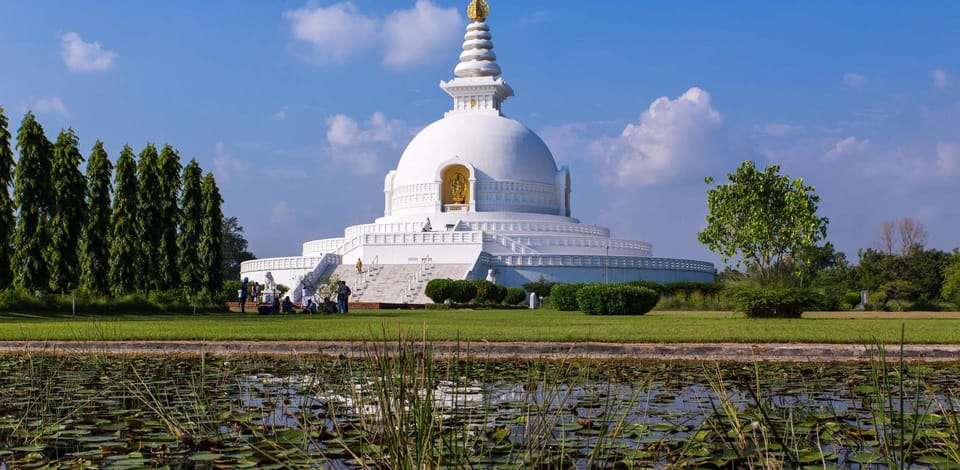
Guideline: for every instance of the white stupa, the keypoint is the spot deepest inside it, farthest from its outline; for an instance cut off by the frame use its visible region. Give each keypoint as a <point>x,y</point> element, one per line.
<point>475,195</point>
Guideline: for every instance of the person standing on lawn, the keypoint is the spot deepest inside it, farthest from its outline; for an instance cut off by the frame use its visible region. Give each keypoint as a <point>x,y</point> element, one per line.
<point>343,296</point>
<point>242,295</point>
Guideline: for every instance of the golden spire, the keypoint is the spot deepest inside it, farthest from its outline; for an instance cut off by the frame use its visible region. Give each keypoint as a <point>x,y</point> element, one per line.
<point>478,10</point>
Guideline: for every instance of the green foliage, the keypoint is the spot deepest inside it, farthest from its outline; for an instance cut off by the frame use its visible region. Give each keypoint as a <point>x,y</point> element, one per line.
<point>951,279</point>
<point>168,167</point>
<point>542,287</point>
<point>124,230</point>
<point>924,269</point>
<point>564,296</point>
<point>234,248</point>
<point>762,217</point>
<point>771,301</point>
<point>438,290</point>
<point>692,295</point>
<point>32,193</point>
<point>899,291</point>
<point>652,285</point>
<point>67,213</point>
<point>211,234</point>
<point>462,291</point>
<point>850,299</point>
<point>488,292</point>
<point>7,219</point>
<point>191,219</point>
<point>616,299</point>
<point>95,248</point>
<point>515,296</point>
<point>149,219</point>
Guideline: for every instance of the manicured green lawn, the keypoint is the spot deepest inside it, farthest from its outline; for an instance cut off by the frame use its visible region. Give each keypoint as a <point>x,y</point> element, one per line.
<point>491,325</point>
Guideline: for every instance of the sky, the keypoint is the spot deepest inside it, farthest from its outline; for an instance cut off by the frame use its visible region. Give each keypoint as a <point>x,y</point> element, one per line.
<point>301,108</point>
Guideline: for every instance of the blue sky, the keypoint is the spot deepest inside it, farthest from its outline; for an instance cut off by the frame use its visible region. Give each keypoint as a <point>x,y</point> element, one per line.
<point>300,109</point>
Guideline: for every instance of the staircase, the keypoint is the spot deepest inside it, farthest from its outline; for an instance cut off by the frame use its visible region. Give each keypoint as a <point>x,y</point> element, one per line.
<point>396,283</point>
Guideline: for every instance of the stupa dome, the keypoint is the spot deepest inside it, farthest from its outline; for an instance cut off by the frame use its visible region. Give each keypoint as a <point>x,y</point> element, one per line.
<point>498,148</point>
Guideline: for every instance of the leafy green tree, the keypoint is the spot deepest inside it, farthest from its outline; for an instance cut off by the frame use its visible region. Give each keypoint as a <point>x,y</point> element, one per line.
<point>95,248</point>
<point>763,217</point>
<point>32,193</point>
<point>925,269</point>
<point>169,172</point>
<point>191,217</point>
<point>67,213</point>
<point>234,248</point>
<point>899,291</point>
<point>124,237</point>
<point>149,218</point>
<point>211,234</point>
<point>7,219</point>
<point>951,279</point>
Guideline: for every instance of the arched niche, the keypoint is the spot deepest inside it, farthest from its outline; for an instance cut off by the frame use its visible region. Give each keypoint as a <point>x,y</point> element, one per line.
<point>455,186</point>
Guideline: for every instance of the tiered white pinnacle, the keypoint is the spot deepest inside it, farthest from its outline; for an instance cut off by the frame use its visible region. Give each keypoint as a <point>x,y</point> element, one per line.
<point>478,86</point>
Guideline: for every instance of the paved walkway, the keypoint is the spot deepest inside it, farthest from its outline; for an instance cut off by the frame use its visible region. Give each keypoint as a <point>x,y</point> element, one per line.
<point>790,352</point>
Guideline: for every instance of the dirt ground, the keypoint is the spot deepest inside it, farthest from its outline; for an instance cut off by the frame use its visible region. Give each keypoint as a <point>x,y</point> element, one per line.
<point>781,352</point>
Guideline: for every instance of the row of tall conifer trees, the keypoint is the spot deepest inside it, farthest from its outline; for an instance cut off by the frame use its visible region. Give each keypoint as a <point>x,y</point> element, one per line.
<point>157,226</point>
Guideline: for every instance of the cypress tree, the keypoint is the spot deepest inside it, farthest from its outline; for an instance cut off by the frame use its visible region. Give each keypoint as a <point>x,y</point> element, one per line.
<point>31,191</point>
<point>7,219</point>
<point>124,230</point>
<point>66,214</point>
<point>95,248</point>
<point>211,235</point>
<point>169,166</point>
<point>149,221</point>
<point>191,216</point>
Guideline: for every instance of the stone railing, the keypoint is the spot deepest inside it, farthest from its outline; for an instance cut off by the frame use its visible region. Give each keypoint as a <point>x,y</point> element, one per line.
<point>276,264</point>
<point>326,245</point>
<point>423,238</point>
<point>521,226</point>
<point>636,262</point>
<point>644,248</point>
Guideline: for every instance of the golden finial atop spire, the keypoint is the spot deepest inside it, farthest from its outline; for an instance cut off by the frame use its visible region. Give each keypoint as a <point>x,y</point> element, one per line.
<point>478,10</point>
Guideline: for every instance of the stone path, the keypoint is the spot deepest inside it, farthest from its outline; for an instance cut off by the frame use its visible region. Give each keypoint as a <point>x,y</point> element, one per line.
<point>789,352</point>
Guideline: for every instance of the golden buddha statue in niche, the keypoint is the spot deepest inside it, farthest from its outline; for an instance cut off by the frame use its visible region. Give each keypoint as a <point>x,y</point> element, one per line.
<point>458,188</point>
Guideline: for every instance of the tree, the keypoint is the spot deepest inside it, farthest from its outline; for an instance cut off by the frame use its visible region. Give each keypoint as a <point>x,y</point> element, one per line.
<point>31,191</point>
<point>191,217</point>
<point>124,239</point>
<point>913,235</point>
<point>211,235</point>
<point>149,218</point>
<point>764,218</point>
<point>169,172</point>
<point>888,238</point>
<point>234,248</point>
<point>951,279</point>
<point>7,219</point>
<point>66,214</point>
<point>95,248</point>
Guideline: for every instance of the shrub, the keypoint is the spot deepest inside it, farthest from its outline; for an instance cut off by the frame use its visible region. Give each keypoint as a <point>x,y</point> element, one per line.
<point>542,287</point>
<point>851,298</point>
<point>515,296</point>
<point>462,291</point>
<point>438,290</point>
<point>652,285</point>
<point>488,292</point>
<point>564,296</point>
<point>771,301</point>
<point>616,299</point>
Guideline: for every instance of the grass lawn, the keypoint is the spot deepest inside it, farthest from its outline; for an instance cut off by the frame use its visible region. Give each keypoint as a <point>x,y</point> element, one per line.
<point>492,325</point>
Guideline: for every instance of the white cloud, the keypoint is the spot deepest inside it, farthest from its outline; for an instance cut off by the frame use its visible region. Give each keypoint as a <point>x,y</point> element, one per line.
<point>225,165</point>
<point>51,105</point>
<point>279,115</point>
<point>332,33</point>
<point>365,149</point>
<point>674,137</point>
<point>854,80</point>
<point>280,213</point>
<point>80,56</point>
<point>848,146</point>
<point>419,34</point>
<point>948,158</point>
<point>776,129</point>
<point>940,79</point>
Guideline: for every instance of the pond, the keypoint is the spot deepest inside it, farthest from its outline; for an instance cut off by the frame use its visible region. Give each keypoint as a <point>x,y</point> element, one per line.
<point>413,410</point>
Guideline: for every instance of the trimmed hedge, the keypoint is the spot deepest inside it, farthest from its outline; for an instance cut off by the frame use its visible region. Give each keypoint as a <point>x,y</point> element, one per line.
<point>438,290</point>
<point>515,296</point>
<point>462,291</point>
<point>564,296</point>
<point>771,301</point>
<point>616,299</point>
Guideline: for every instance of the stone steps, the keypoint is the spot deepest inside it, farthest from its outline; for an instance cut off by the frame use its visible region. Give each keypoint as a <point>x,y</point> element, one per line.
<point>396,283</point>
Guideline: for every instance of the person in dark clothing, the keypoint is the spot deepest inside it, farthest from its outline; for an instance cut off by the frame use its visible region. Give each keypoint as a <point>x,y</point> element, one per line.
<point>343,296</point>
<point>287,305</point>
<point>311,307</point>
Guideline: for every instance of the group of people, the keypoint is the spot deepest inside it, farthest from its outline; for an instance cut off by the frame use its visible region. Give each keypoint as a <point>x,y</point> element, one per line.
<point>309,305</point>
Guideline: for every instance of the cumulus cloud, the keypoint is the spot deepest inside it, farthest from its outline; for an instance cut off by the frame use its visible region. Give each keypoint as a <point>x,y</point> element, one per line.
<point>854,80</point>
<point>673,137</point>
<point>51,105</point>
<point>940,79</point>
<point>848,146</point>
<point>364,149</point>
<point>434,30</point>
<point>81,56</point>
<point>332,33</point>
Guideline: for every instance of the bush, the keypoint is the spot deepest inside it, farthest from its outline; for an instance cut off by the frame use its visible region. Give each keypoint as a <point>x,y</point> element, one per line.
<point>515,296</point>
<point>771,301</point>
<point>851,298</point>
<point>616,299</point>
<point>564,296</point>
<point>462,291</point>
<point>542,287</point>
<point>652,285</point>
<point>438,290</point>
<point>488,292</point>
